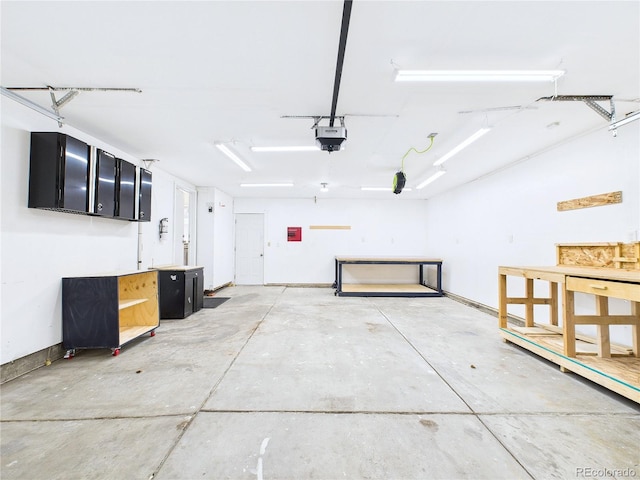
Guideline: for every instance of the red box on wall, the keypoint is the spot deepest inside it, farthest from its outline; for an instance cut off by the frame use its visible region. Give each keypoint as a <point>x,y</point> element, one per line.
<point>294,234</point>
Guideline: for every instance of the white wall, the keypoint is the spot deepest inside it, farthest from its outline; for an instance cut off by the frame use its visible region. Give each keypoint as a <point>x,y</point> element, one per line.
<point>40,247</point>
<point>510,217</point>
<point>215,237</point>
<point>393,227</point>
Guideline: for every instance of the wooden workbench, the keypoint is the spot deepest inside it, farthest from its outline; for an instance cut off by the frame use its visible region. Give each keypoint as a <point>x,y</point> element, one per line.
<point>615,367</point>
<point>421,289</point>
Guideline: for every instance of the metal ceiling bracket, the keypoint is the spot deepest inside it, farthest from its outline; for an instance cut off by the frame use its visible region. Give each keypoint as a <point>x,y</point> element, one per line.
<point>56,105</point>
<point>589,101</point>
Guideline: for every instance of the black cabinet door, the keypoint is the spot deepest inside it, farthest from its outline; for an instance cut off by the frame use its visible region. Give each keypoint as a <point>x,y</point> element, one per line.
<point>75,177</point>
<point>189,280</point>
<point>90,312</point>
<point>105,186</point>
<point>198,290</point>
<point>171,293</point>
<point>126,208</point>
<point>144,212</point>
<point>58,172</point>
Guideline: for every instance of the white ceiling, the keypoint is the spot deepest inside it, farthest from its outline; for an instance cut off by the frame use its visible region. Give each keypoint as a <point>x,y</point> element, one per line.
<point>229,70</point>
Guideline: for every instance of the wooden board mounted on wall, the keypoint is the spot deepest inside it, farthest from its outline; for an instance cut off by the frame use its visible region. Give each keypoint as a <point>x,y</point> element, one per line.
<point>592,201</point>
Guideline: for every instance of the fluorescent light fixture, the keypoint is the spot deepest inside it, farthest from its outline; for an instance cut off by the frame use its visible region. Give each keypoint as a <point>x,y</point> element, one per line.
<point>381,189</point>
<point>266,184</point>
<point>628,119</point>
<point>462,146</point>
<point>224,149</point>
<point>432,178</point>
<point>33,106</point>
<point>478,75</point>
<point>300,148</point>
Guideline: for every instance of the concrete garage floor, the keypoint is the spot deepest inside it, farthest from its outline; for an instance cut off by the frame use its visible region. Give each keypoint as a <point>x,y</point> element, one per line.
<point>295,383</point>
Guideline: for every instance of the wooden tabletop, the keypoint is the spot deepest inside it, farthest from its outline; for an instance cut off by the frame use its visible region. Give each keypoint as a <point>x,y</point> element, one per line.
<point>616,274</point>
<point>387,259</point>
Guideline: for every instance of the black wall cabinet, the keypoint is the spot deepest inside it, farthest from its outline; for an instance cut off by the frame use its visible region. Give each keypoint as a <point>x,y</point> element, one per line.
<point>144,208</point>
<point>66,173</point>
<point>105,184</point>
<point>58,173</point>
<point>181,291</point>
<point>126,186</point>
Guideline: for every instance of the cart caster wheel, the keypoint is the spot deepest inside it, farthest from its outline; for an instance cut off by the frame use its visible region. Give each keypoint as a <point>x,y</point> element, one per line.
<point>152,333</point>
<point>115,352</point>
<point>70,354</point>
<point>335,294</point>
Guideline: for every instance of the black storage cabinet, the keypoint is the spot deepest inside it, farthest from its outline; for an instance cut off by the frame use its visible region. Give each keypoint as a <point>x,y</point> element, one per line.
<point>58,173</point>
<point>126,190</point>
<point>108,310</point>
<point>144,205</point>
<point>105,184</point>
<point>181,290</point>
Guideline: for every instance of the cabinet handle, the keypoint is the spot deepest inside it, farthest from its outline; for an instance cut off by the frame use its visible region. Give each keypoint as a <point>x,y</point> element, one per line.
<point>598,287</point>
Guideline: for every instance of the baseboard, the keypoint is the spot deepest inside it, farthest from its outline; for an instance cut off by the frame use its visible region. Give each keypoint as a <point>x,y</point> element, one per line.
<point>30,362</point>
<point>484,308</point>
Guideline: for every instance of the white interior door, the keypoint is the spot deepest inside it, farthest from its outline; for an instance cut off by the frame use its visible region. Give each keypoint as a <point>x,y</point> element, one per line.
<point>249,249</point>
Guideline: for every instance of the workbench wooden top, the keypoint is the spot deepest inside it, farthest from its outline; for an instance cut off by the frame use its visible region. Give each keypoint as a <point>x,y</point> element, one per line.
<point>615,274</point>
<point>388,259</point>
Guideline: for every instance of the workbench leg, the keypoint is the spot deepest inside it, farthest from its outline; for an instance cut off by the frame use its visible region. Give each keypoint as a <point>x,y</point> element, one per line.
<point>502,301</point>
<point>635,329</point>
<point>604,344</point>
<point>553,303</point>
<point>568,323</point>
<point>528,312</point>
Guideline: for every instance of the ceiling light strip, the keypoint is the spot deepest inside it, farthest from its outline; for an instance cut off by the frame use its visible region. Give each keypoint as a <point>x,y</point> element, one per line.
<point>266,184</point>
<point>432,178</point>
<point>224,149</point>
<point>478,75</point>
<point>462,146</point>
<point>292,148</point>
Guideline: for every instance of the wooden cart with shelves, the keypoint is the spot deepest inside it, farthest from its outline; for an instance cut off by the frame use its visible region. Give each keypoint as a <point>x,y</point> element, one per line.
<point>108,311</point>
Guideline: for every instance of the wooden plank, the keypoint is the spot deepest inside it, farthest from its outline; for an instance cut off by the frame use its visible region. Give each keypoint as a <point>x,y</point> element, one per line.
<point>615,347</point>
<point>620,375</point>
<point>329,227</point>
<point>129,333</point>
<point>502,300</point>
<point>377,288</point>
<point>604,342</point>
<point>130,303</point>
<point>534,331</point>
<point>558,273</point>
<point>602,255</point>
<point>387,260</point>
<point>592,201</point>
